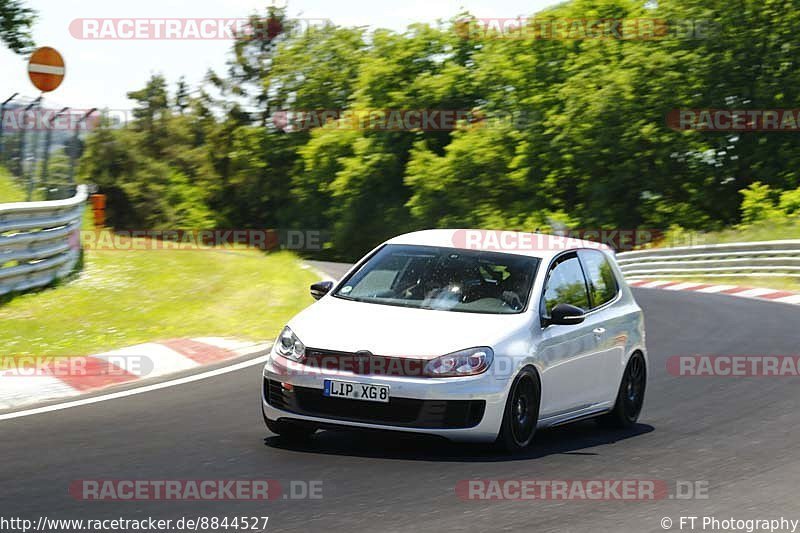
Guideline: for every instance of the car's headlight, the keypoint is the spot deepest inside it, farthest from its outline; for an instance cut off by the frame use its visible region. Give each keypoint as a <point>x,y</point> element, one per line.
<point>289,346</point>
<point>462,363</point>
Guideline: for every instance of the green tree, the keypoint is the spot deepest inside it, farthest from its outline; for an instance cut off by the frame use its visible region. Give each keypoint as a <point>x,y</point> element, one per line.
<point>151,113</point>
<point>16,21</point>
<point>573,131</point>
<point>181,95</point>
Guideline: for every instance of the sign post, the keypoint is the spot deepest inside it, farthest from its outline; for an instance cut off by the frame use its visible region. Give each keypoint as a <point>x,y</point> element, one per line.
<point>46,71</point>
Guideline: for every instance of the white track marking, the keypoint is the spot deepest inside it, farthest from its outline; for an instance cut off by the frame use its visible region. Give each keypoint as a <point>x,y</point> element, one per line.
<point>138,390</point>
<point>795,299</point>
<point>744,292</point>
<point>682,286</point>
<point>755,293</point>
<point>654,284</point>
<point>163,360</point>
<point>717,288</point>
<point>225,344</point>
<point>20,390</point>
<point>323,276</point>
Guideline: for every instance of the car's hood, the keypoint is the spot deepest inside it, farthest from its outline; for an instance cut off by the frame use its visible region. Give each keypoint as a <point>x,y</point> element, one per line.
<point>348,326</point>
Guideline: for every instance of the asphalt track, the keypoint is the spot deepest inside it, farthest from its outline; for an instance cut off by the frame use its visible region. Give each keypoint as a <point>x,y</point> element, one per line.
<point>739,436</point>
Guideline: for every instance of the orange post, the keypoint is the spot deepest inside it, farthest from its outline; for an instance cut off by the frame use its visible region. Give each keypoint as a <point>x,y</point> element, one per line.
<point>99,208</point>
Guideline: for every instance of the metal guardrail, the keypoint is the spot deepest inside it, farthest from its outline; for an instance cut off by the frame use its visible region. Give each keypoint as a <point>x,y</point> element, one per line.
<point>39,241</point>
<point>766,258</point>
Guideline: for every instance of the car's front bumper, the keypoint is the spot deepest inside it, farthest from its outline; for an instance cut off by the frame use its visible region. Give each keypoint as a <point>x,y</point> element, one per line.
<point>460,409</point>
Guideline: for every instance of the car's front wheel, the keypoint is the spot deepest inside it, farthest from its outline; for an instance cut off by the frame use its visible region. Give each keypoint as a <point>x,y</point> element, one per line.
<point>289,430</point>
<point>521,413</point>
<point>630,396</point>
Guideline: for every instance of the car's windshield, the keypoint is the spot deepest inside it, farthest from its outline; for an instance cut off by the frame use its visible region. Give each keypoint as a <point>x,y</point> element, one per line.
<point>428,277</point>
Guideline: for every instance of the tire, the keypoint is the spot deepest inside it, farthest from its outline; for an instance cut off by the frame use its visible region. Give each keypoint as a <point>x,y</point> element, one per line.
<point>630,396</point>
<point>521,414</point>
<point>288,430</point>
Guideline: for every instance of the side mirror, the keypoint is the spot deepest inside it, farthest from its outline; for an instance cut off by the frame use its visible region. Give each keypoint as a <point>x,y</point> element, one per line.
<point>567,315</point>
<point>320,289</point>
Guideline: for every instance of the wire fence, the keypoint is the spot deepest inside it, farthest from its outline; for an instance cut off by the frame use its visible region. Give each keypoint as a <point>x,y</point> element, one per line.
<point>40,145</point>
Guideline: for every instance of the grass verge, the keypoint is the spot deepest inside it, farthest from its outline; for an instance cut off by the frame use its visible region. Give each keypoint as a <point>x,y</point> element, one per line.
<point>765,230</point>
<point>128,297</point>
<point>9,190</point>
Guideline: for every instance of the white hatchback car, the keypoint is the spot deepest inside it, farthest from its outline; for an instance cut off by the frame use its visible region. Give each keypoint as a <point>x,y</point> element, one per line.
<point>482,336</point>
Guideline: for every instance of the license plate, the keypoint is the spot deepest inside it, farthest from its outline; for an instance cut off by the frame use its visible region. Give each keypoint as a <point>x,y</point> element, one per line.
<point>355,391</point>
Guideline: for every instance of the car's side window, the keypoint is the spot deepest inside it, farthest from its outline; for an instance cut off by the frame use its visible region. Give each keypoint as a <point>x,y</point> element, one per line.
<point>565,285</point>
<point>603,286</point>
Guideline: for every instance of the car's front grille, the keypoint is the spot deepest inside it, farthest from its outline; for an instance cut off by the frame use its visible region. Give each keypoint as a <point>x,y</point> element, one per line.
<point>365,363</point>
<point>403,412</point>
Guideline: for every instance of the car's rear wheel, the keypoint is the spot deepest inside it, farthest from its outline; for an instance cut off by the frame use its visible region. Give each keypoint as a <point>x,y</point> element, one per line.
<point>521,413</point>
<point>630,396</point>
<point>289,430</point>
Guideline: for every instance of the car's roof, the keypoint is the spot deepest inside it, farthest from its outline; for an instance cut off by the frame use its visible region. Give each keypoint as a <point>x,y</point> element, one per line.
<point>513,242</point>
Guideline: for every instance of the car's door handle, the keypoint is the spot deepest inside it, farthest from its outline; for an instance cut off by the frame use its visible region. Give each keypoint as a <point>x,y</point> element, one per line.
<point>599,331</point>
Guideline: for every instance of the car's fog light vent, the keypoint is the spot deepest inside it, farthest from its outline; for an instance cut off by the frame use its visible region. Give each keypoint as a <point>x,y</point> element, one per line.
<point>276,394</point>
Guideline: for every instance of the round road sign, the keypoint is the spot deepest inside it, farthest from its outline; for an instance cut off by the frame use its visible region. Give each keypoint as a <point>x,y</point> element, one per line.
<point>46,69</point>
